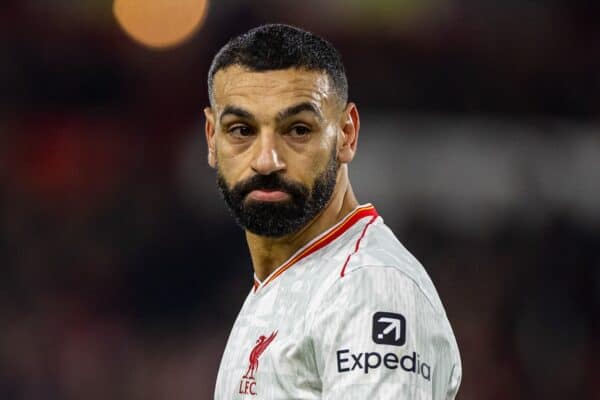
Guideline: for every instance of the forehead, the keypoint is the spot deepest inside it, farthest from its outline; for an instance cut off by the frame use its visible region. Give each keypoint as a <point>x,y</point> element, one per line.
<point>265,90</point>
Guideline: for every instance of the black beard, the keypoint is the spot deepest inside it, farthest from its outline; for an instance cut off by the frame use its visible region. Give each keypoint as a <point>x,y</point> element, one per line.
<point>277,219</point>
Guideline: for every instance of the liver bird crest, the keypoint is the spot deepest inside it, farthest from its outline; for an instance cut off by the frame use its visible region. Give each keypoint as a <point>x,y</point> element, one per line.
<point>261,344</point>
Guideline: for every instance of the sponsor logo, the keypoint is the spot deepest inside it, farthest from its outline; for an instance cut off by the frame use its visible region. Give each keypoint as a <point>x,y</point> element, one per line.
<point>389,328</point>
<point>366,362</point>
<point>248,382</point>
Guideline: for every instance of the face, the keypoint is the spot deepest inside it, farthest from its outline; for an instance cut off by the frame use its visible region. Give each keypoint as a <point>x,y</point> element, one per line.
<point>274,138</point>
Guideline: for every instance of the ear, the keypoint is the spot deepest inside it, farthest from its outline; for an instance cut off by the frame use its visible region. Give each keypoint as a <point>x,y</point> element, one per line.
<point>209,129</point>
<point>350,125</point>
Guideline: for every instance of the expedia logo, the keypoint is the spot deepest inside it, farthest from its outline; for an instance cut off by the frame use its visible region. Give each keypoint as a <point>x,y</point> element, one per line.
<point>389,328</point>
<point>348,362</point>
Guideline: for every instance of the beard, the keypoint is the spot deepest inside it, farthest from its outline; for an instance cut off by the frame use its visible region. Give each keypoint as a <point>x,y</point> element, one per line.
<point>281,218</point>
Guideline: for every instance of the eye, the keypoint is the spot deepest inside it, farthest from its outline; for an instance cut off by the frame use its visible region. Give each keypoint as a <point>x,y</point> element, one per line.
<point>300,131</point>
<point>240,131</point>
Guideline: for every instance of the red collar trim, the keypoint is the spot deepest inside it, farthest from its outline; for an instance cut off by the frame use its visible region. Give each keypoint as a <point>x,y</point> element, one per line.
<point>321,241</point>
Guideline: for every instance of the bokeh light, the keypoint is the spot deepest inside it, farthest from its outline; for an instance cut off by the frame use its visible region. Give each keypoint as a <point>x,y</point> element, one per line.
<point>160,23</point>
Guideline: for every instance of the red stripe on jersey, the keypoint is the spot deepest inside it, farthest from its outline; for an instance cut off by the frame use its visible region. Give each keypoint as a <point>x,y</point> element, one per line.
<point>329,237</point>
<point>357,245</point>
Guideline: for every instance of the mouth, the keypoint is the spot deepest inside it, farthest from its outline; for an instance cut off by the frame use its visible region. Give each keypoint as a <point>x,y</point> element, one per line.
<point>271,195</point>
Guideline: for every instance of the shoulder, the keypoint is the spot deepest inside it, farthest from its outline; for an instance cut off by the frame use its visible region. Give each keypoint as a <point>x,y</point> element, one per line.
<point>373,271</point>
<point>381,282</point>
<point>378,259</point>
<point>378,299</point>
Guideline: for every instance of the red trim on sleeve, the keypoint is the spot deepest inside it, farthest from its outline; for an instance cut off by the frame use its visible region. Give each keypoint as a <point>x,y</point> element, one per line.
<point>357,245</point>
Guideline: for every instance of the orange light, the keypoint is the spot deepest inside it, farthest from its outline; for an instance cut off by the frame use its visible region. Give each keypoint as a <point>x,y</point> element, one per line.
<point>160,23</point>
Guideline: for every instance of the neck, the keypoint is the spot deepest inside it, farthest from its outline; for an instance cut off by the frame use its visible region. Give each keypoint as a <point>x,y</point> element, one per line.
<point>269,253</point>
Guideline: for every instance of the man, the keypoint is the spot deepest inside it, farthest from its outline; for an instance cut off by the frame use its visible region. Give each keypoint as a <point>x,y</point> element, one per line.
<point>339,308</point>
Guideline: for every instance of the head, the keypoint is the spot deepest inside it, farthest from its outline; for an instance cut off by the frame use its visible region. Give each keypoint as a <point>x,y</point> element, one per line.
<point>280,130</point>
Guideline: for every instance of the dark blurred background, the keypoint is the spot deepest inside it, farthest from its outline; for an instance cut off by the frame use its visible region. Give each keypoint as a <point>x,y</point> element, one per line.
<point>121,271</point>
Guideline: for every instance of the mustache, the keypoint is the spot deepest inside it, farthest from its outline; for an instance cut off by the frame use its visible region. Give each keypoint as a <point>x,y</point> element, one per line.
<point>270,182</point>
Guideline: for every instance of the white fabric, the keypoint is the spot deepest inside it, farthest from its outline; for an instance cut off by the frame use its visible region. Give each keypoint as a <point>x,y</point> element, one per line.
<point>320,327</point>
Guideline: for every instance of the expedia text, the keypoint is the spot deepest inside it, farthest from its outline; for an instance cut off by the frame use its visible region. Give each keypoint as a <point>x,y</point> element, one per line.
<point>365,362</point>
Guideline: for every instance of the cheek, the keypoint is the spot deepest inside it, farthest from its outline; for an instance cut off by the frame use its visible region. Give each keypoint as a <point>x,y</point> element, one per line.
<point>325,150</point>
<point>313,165</point>
<point>232,165</point>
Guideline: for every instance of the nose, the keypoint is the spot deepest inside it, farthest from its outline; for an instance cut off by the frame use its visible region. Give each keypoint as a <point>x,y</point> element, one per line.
<point>268,159</point>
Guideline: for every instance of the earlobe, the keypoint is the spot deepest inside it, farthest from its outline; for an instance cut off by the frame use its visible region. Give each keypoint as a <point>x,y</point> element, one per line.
<point>209,130</point>
<point>350,125</point>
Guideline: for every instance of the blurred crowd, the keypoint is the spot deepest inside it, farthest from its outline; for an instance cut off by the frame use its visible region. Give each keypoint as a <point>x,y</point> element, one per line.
<point>120,269</point>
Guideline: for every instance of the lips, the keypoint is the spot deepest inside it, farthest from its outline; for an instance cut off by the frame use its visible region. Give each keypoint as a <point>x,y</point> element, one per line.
<point>268,195</point>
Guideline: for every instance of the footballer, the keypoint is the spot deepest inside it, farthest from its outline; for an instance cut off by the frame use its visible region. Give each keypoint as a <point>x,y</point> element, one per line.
<point>339,309</point>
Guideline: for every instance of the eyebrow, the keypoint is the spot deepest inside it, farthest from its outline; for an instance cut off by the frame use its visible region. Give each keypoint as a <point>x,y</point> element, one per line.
<point>297,109</point>
<point>281,115</point>
<point>237,111</point>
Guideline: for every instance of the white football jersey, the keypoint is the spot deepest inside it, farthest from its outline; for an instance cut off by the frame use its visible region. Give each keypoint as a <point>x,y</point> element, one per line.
<point>351,315</point>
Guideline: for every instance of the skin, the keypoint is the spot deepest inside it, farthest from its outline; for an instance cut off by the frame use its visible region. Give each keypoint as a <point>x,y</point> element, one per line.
<point>298,145</point>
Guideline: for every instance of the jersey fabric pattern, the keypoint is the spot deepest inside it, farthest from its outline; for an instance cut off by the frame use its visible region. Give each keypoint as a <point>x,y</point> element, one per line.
<point>351,315</point>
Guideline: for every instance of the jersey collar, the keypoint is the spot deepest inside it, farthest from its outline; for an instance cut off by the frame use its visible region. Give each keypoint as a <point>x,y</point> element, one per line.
<point>322,240</point>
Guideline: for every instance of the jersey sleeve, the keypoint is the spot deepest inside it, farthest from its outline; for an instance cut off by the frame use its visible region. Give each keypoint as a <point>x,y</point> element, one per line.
<point>376,335</point>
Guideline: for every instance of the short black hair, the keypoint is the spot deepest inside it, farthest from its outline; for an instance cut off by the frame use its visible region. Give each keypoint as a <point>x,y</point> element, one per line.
<point>279,46</point>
